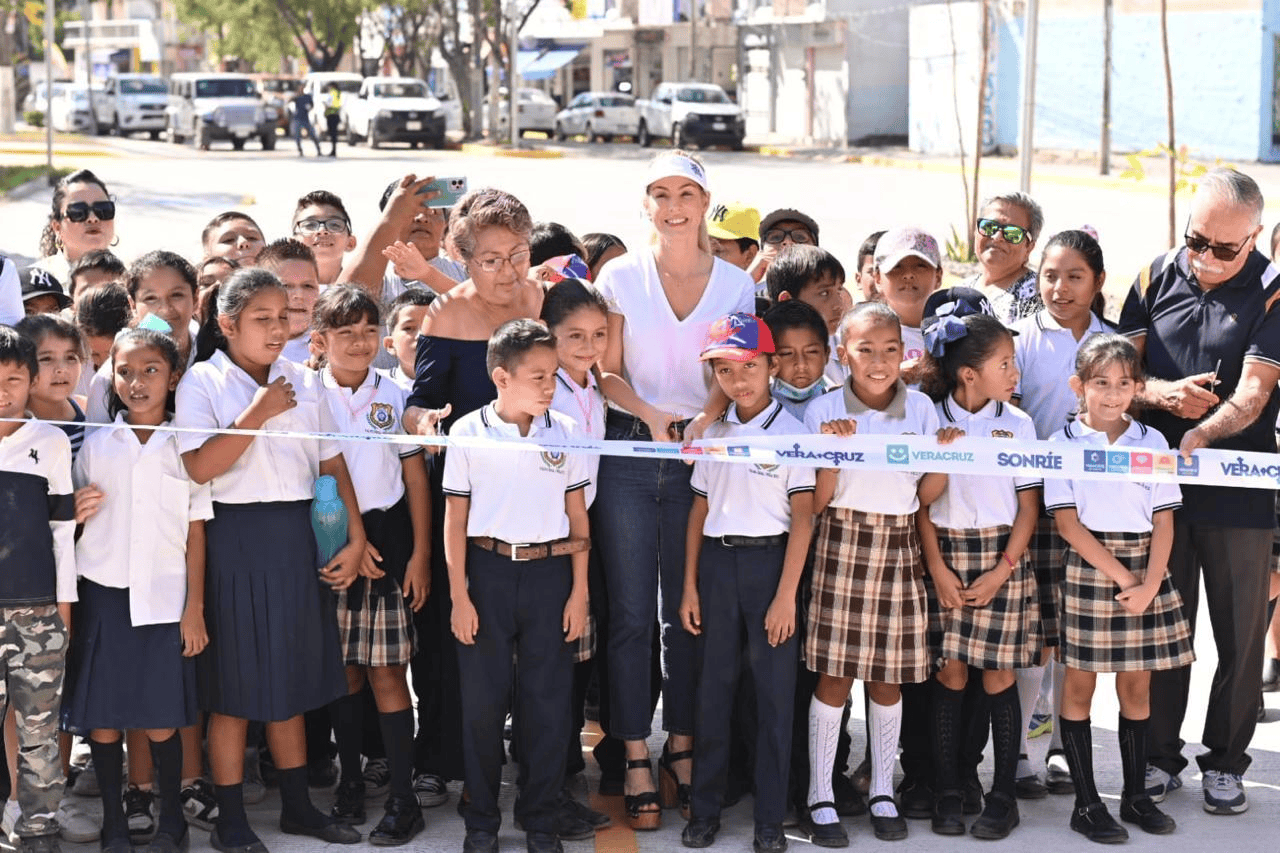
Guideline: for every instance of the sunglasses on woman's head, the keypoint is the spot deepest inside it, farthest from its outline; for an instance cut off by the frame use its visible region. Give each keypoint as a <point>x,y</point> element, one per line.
<point>1012,234</point>
<point>78,211</point>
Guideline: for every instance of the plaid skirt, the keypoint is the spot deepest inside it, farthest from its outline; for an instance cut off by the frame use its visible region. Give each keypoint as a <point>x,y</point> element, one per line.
<point>990,637</point>
<point>585,648</point>
<point>868,616</point>
<point>1098,635</point>
<point>379,632</point>
<point>1048,553</point>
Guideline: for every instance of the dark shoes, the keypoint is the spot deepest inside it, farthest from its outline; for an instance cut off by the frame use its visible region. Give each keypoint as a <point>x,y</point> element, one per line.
<point>887,828</point>
<point>1056,778</point>
<point>348,806</point>
<point>769,839</point>
<point>971,792</point>
<point>1271,676</point>
<point>1143,812</point>
<point>1030,787</point>
<point>540,842</point>
<point>948,814</point>
<point>916,798</point>
<point>823,834</point>
<point>401,822</point>
<point>216,843</point>
<point>479,841</point>
<point>575,809</point>
<point>322,773</point>
<point>998,818</point>
<point>331,832</point>
<point>700,832</point>
<point>849,803</point>
<point>163,842</point>
<point>1095,823</point>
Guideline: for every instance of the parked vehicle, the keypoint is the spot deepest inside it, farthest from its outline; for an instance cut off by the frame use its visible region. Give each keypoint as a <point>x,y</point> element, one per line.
<point>36,100</point>
<point>598,116</point>
<point>394,109</point>
<point>317,83</point>
<point>698,114</point>
<point>131,103</point>
<point>70,110</point>
<point>209,107</point>
<point>276,91</point>
<point>537,112</point>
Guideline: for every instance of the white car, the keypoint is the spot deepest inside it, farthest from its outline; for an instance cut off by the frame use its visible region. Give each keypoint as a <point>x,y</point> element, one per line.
<point>131,103</point>
<point>597,115</point>
<point>212,106</point>
<point>537,111</point>
<point>394,109</point>
<point>71,111</point>
<point>317,83</point>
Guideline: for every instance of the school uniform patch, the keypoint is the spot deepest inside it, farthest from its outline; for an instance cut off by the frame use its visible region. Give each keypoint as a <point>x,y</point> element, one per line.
<point>1001,433</point>
<point>553,461</point>
<point>382,416</point>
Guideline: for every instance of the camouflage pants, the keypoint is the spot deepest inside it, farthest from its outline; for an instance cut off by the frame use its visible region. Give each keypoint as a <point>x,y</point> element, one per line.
<point>33,648</point>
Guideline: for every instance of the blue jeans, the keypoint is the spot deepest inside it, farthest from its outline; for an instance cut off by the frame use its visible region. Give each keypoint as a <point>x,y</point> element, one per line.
<point>642,512</point>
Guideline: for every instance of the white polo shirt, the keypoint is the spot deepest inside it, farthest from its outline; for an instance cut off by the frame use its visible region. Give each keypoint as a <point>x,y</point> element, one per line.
<point>516,495</point>
<point>95,409</point>
<point>272,468</point>
<point>888,492</point>
<point>298,350</point>
<point>973,500</point>
<point>660,352</point>
<point>586,407</point>
<point>836,371</point>
<point>750,500</point>
<point>1112,506</point>
<point>375,408</point>
<point>398,376</point>
<point>138,538</point>
<point>1046,356</point>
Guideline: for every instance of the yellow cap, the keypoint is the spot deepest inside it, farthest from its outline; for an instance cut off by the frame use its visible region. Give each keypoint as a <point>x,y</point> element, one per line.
<point>733,221</point>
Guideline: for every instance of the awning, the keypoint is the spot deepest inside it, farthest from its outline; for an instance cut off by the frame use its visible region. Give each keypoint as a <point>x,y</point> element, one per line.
<point>525,58</point>
<point>548,63</point>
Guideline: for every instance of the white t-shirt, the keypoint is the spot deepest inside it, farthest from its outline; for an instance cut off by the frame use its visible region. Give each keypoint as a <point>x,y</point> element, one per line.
<point>1046,356</point>
<point>750,500</point>
<point>1111,506</point>
<point>11,310</point>
<point>375,408</point>
<point>215,392</point>
<point>586,407</point>
<point>96,398</point>
<point>298,350</point>
<point>982,500</point>
<point>888,492</point>
<point>912,342</point>
<point>660,352</point>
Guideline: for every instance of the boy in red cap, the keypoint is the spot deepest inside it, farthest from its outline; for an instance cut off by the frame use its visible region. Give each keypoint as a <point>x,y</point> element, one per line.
<point>749,532</point>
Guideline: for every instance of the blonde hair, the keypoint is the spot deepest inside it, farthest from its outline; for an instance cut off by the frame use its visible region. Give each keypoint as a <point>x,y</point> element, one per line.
<point>704,238</point>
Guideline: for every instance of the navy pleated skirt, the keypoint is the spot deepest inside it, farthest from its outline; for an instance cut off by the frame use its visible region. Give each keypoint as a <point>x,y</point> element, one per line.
<point>124,677</point>
<point>273,635</point>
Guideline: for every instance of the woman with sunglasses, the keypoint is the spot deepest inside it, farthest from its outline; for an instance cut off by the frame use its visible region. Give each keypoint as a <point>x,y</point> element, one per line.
<point>82,219</point>
<point>1004,236</point>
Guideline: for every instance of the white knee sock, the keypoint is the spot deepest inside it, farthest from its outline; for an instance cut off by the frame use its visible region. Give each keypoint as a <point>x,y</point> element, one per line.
<point>1028,680</point>
<point>824,731</point>
<point>886,724</point>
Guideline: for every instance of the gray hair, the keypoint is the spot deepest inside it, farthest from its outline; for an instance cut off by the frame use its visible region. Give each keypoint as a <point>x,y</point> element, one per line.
<point>485,208</point>
<point>1236,187</point>
<point>1035,216</point>
<point>877,313</point>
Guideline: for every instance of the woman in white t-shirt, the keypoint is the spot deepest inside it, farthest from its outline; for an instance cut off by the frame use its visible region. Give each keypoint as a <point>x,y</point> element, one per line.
<point>662,299</point>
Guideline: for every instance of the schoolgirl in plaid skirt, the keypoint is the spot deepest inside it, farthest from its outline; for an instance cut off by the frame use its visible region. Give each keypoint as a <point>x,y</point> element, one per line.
<point>867,613</point>
<point>975,539</point>
<point>1120,613</point>
<point>375,614</point>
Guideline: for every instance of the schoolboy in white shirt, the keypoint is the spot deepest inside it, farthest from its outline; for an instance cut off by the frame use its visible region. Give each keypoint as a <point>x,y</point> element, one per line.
<point>513,590</point>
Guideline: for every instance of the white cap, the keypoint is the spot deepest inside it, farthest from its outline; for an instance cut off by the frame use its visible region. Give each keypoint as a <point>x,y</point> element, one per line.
<point>673,165</point>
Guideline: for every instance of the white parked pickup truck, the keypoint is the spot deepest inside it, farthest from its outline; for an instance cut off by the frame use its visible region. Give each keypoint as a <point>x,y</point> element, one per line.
<point>394,109</point>
<point>131,103</point>
<point>690,114</point>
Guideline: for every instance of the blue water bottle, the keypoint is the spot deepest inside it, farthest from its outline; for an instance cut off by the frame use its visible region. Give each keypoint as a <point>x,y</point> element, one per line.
<point>328,519</point>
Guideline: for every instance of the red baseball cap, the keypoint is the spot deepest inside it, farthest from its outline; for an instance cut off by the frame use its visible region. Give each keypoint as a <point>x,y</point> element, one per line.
<point>737,337</point>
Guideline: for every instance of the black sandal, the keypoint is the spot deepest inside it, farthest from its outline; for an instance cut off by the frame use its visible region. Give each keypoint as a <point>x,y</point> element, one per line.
<point>644,811</point>
<point>670,792</point>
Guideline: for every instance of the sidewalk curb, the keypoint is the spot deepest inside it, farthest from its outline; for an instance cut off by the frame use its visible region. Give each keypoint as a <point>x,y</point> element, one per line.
<point>58,152</point>
<point>27,189</point>
<point>521,153</point>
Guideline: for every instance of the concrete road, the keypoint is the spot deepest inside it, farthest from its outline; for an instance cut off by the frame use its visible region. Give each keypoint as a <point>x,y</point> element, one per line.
<point>166,194</point>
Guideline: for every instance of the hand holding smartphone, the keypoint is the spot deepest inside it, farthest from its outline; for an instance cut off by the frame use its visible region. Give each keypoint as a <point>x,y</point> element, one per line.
<point>448,191</point>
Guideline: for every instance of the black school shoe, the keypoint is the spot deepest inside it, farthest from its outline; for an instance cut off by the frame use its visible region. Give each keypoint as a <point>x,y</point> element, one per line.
<point>166,843</point>
<point>971,792</point>
<point>948,814</point>
<point>769,839</point>
<point>998,818</point>
<point>402,821</point>
<point>1095,823</point>
<point>540,842</point>
<point>332,832</point>
<point>887,828</point>
<point>849,803</point>
<point>823,834</point>
<point>700,832</point>
<point>479,841</point>
<point>916,798</point>
<point>348,806</point>
<point>1142,811</point>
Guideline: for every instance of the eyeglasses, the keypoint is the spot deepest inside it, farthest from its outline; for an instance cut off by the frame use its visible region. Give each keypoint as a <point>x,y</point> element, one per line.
<point>492,265</point>
<point>335,225</point>
<point>1012,234</point>
<point>78,211</point>
<point>1200,245</point>
<point>775,236</point>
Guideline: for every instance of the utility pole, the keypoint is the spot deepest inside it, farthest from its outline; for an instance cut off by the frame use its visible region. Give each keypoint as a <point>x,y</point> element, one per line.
<point>693,40</point>
<point>48,87</point>
<point>1027,140</point>
<point>1104,149</point>
<point>513,83</point>
<point>88,51</point>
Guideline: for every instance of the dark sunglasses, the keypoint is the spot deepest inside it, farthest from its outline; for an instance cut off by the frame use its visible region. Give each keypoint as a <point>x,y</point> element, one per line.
<point>776,236</point>
<point>1012,234</point>
<point>78,211</point>
<point>1200,245</point>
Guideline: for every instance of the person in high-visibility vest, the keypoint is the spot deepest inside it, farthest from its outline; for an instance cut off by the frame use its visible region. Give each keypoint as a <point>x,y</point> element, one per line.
<point>333,116</point>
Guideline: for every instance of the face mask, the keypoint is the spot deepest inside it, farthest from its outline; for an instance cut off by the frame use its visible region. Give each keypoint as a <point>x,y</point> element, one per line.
<point>797,395</point>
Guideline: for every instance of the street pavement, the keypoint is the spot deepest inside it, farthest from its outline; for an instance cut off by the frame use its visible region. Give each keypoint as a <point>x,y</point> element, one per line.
<point>167,193</point>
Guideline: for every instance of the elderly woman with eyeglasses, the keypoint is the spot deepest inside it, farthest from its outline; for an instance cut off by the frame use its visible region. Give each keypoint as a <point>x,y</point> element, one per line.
<point>1004,235</point>
<point>82,219</point>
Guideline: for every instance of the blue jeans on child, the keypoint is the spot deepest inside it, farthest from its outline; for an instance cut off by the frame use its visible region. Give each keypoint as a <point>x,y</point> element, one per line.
<point>641,512</point>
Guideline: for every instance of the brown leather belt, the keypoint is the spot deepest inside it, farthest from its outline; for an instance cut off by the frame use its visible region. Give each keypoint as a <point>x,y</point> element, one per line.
<point>537,551</point>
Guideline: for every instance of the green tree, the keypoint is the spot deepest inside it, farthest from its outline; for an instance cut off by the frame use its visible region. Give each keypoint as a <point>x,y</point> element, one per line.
<point>263,31</point>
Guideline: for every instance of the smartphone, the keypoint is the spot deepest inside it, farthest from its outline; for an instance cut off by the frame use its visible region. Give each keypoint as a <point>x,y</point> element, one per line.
<point>450,191</point>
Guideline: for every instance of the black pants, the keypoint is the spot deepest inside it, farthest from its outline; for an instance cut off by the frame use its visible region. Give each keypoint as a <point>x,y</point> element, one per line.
<point>1236,563</point>
<point>331,123</point>
<point>520,606</point>
<point>736,587</point>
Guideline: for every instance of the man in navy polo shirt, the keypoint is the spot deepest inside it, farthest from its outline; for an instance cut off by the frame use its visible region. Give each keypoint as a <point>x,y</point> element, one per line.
<point>1203,318</point>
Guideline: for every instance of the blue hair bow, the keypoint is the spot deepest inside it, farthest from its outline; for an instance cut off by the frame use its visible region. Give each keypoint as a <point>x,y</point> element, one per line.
<point>945,328</point>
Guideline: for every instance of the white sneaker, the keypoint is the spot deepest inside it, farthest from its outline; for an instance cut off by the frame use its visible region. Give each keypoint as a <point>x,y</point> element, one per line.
<point>1160,784</point>
<point>75,824</point>
<point>12,811</point>
<point>1224,793</point>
